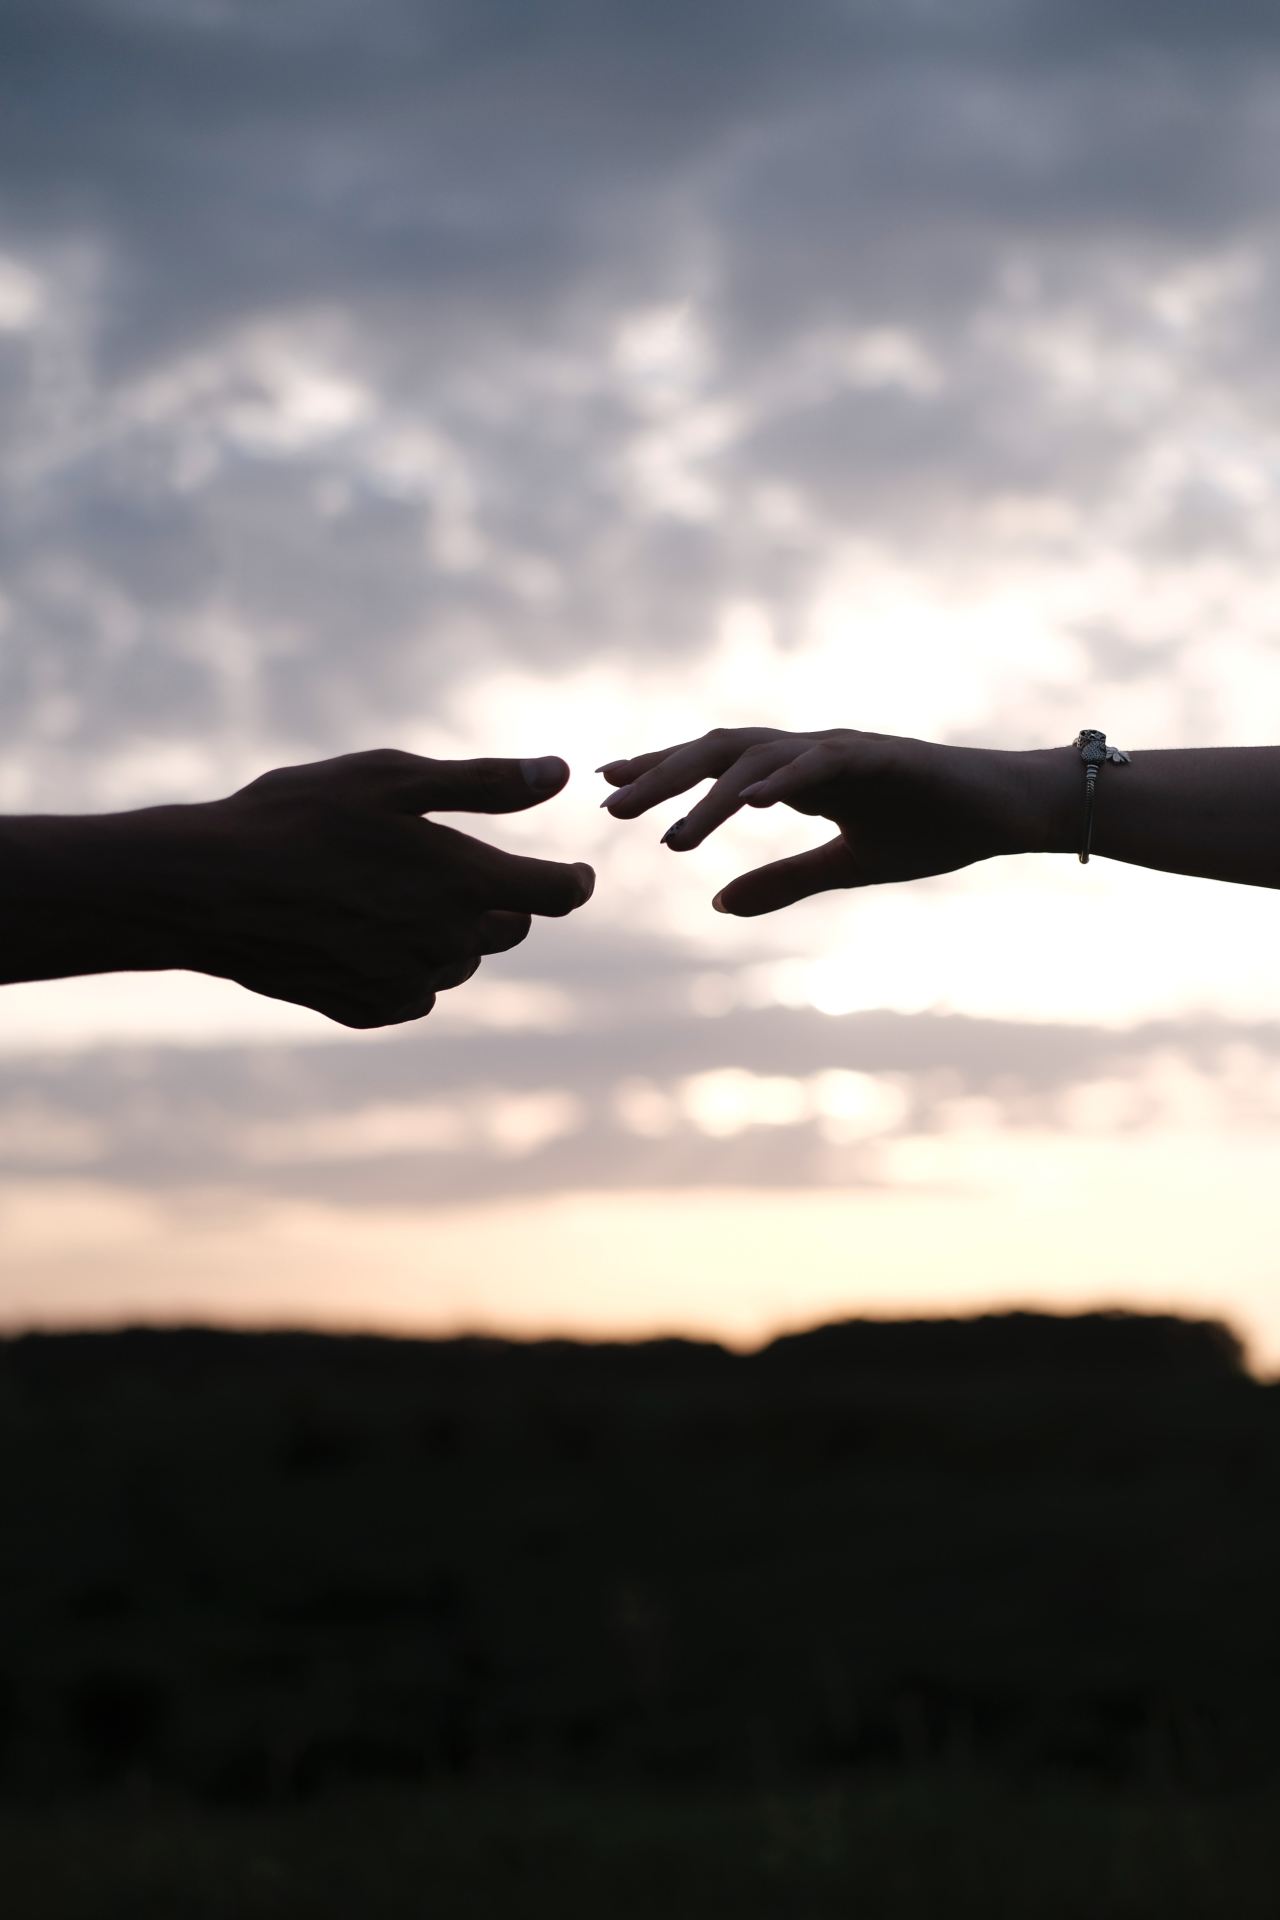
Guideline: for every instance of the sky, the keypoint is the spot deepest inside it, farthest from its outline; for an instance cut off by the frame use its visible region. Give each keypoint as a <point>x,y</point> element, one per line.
<point>473,376</point>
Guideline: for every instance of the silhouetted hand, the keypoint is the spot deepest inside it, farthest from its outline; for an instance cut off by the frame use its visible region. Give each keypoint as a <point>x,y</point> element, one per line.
<point>905,808</point>
<point>323,885</point>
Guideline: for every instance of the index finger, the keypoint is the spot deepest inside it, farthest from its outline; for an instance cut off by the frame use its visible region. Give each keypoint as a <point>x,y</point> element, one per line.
<point>620,773</point>
<point>655,777</point>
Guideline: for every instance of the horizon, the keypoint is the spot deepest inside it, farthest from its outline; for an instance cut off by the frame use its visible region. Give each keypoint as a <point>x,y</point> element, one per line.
<point>1216,1335</point>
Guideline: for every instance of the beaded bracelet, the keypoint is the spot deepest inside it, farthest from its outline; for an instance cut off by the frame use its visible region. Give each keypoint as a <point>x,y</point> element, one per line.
<point>1095,753</point>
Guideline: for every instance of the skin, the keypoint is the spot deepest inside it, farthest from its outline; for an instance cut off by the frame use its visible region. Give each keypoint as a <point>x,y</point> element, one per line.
<point>905,808</point>
<point>321,884</point>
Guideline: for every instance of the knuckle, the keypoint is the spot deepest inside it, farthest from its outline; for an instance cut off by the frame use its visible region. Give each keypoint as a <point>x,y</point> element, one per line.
<point>275,784</point>
<point>877,755</point>
<point>758,751</point>
<point>389,760</point>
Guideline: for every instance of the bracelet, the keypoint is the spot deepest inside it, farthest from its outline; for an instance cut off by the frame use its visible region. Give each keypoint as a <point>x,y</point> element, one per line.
<point>1095,753</point>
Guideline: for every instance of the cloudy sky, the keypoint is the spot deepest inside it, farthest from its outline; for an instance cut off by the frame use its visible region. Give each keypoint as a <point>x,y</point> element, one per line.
<point>485,376</point>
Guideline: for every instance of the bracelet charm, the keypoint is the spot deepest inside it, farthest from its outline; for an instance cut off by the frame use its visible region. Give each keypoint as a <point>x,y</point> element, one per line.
<point>1095,753</point>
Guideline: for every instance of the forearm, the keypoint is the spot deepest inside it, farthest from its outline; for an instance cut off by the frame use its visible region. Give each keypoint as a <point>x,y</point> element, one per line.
<point>98,894</point>
<point>1208,811</point>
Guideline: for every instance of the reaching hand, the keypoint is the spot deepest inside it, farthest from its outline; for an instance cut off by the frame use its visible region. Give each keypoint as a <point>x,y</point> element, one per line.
<point>905,808</point>
<point>323,885</point>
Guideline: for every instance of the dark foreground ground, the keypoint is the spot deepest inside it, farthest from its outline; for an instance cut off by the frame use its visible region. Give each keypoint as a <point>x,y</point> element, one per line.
<point>901,1621</point>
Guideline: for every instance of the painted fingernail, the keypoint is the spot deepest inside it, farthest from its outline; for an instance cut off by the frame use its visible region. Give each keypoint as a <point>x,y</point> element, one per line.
<point>755,788</point>
<point>672,831</point>
<point>612,799</point>
<point>719,905</point>
<point>543,776</point>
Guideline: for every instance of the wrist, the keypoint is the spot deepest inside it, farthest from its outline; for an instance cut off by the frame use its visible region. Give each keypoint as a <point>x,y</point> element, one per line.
<point>1026,801</point>
<point>152,886</point>
<point>101,893</point>
<point>1048,789</point>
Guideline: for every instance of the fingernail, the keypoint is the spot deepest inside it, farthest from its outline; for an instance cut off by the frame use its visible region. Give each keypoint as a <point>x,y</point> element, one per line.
<point>543,776</point>
<point>671,832</point>
<point>587,875</point>
<point>719,905</point>
<point>755,788</point>
<point>611,799</point>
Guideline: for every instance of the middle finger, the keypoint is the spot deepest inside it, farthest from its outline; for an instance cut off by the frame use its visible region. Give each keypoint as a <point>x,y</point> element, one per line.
<point>498,932</point>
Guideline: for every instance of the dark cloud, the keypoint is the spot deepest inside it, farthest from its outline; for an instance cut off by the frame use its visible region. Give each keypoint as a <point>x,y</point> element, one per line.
<point>456,204</point>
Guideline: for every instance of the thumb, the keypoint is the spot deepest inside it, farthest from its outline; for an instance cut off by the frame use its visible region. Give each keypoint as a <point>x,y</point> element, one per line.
<point>479,786</point>
<point>783,882</point>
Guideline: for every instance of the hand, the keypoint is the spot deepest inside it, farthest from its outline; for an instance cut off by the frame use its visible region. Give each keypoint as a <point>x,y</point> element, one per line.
<point>905,808</point>
<point>323,885</point>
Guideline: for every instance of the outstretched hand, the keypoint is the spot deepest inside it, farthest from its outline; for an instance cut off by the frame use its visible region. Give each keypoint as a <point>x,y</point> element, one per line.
<point>904,808</point>
<point>323,884</point>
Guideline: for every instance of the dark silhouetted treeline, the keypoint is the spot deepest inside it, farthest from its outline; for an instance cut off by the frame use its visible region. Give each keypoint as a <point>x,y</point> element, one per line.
<point>251,1568</point>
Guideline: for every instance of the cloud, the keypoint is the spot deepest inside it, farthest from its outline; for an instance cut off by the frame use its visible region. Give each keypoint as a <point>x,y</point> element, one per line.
<point>766,1097</point>
<point>315,389</point>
